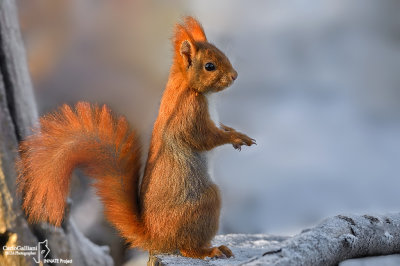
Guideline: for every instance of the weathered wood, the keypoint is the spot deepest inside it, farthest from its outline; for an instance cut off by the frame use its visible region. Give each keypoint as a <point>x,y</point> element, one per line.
<point>18,86</point>
<point>336,239</point>
<point>18,114</point>
<point>245,247</point>
<point>13,227</point>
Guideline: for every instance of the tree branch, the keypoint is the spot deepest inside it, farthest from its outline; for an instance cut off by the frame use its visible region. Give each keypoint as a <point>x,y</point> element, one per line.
<point>336,239</point>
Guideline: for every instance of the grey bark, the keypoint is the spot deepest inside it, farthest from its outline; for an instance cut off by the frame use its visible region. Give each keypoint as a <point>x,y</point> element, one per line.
<point>336,239</point>
<point>18,114</point>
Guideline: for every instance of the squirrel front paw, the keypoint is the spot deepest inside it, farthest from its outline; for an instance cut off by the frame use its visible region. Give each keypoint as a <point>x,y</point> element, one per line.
<point>239,139</point>
<point>226,128</point>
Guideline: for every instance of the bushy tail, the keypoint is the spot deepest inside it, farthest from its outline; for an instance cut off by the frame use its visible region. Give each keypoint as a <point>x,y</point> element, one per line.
<point>103,146</point>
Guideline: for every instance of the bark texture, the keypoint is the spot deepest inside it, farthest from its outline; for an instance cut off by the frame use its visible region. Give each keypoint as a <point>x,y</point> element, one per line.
<point>336,239</point>
<point>18,114</point>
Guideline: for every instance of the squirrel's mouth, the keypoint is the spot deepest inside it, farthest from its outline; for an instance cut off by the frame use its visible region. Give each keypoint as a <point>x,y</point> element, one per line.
<point>227,82</point>
<point>223,83</point>
<point>224,86</point>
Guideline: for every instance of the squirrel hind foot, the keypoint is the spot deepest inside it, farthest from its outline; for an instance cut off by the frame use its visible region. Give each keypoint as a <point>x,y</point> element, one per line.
<point>227,252</point>
<point>212,252</point>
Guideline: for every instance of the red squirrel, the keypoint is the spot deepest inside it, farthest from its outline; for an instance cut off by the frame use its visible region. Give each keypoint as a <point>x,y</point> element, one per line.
<point>178,206</point>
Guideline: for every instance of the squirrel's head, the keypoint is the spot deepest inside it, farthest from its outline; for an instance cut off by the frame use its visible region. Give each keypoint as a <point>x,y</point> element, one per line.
<point>204,66</point>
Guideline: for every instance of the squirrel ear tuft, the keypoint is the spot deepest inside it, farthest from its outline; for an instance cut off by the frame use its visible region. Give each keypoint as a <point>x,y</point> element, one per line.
<point>195,29</point>
<point>186,52</point>
<point>185,47</point>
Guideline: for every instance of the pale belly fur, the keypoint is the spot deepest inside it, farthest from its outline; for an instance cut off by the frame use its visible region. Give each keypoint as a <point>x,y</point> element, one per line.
<point>212,109</point>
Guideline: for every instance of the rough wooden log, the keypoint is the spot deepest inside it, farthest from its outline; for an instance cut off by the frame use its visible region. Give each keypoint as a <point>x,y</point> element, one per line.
<point>18,114</point>
<point>245,247</point>
<point>19,93</point>
<point>13,227</point>
<point>336,239</point>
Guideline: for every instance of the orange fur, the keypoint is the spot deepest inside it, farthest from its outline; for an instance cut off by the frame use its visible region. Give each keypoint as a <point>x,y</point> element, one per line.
<point>91,138</point>
<point>178,207</point>
<point>195,29</point>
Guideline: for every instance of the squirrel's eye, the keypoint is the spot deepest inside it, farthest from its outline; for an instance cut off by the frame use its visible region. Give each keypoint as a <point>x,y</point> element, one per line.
<point>209,66</point>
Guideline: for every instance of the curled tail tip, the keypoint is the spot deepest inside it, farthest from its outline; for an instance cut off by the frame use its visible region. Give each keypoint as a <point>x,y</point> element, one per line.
<point>37,215</point>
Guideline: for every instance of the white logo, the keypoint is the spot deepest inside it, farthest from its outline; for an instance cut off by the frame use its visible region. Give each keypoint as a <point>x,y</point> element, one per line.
<point>42,250</point>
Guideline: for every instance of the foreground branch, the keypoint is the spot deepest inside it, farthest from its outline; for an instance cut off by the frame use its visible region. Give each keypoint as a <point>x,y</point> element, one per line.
<point>334,240</point>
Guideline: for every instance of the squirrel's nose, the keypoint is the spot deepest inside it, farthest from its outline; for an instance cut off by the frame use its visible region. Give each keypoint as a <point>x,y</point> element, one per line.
<point>234,75</point>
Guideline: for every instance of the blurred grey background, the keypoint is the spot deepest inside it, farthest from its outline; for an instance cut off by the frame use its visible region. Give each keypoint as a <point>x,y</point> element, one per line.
<point>318,87</point>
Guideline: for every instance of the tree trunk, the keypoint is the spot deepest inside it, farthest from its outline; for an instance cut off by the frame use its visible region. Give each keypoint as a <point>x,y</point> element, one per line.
<point>18,114</point>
